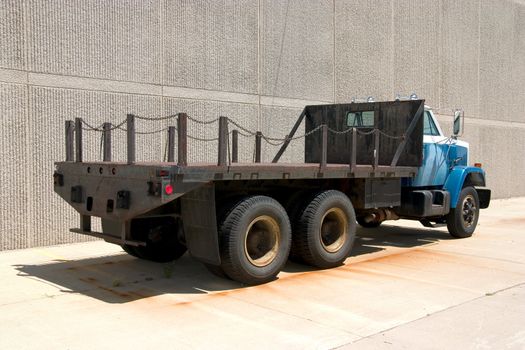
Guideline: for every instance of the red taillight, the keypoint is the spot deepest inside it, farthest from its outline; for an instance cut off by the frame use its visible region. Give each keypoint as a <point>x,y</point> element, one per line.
<point>168,189</point>
<point>477,165</point>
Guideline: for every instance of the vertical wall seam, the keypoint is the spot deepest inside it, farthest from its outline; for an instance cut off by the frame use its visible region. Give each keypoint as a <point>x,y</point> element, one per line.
<point>259,107</point>
<point>162,11</point>
<point>27,111</point>
<point>392,49</point>
<point>479,57</point>
<point>440,53</point>
<point>333,51</point>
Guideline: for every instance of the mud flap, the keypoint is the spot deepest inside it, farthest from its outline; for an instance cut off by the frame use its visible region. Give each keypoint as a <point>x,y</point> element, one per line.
<point>200,224</point>
<point>484,196</point>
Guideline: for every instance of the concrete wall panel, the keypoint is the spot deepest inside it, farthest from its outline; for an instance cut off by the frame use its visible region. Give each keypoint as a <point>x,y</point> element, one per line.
<point>460,56</point>
<point>11,34</point>
<point>363,49</point>
<point>297,49</point>
<point>516,88</point>
<point>118,40</point>
<point>417,49</point>
<point>497,164</point>
<point>497,37</point>
<point>211,44</point>
<point>14,215</point>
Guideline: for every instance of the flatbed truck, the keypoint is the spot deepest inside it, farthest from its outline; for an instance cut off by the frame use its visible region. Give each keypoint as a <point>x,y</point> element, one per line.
<point>364,163</point>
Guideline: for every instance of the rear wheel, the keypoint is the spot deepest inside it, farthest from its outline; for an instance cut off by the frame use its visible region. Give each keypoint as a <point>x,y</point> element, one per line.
<point>161,236</point>
<point>130,250</point>
<point>324,232</point>
<point>255,239</point>
<point>216,270</point>
<point>462,220</point>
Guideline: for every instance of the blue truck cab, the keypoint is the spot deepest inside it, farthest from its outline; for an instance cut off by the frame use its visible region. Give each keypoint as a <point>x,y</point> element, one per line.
<point>446,189</point>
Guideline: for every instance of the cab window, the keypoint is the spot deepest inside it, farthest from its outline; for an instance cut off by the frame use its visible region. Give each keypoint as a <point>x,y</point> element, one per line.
<point>364,119</point>
<point>429,127</point>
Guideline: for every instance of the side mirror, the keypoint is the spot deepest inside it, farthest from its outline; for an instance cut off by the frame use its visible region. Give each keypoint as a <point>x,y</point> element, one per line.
<point>458,123</point>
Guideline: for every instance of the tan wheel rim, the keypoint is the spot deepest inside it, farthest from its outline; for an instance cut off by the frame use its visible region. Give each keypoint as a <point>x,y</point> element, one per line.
<point>334,227</point>
<point>261,244</point>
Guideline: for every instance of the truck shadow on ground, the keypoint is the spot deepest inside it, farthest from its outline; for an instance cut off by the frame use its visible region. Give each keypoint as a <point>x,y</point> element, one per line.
<point>120,278</point>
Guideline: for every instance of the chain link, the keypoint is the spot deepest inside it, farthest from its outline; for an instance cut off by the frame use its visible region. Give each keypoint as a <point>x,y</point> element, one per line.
<point>203,122</point>
<point>339,132</point>
<point>249,132</point>
<point>392,137</point>
<point>270,142</point>
<point>145,132</point>
<point>101,128</point>
<point>202,138</point>
<point>243,134</point>
<point>171,116</point>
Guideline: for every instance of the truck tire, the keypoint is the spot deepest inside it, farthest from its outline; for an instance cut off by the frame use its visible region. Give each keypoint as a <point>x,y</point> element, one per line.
<point>462,220</point>
<point>130,250</point>
<point>161,237</point>
<point>371,224</point>
<point>294,205</point>
<point>255,239</point>
<point>216,270</point>
<point>324,232</point>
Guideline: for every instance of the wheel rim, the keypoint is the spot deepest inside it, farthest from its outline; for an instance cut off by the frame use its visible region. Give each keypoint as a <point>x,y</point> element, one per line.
<point>333,231</point>
<point>261,244</point>
<point>469,211</point>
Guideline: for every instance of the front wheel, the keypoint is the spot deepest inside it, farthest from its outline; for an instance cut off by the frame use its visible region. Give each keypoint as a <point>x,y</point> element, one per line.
<point>462,220</point>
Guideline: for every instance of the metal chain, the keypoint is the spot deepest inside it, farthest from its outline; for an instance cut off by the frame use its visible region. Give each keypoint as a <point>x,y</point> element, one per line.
<point>91,128</point>
<point>157,118</point>
<point>305,134</point>
<point>365,132</point>
<point>390,136</point>
<point>268,140</point>
<point>204,122</point>
<point>245,135</point>
<point>339,132</point>
<point>145,132</point>
<point>101,128</point>
<point>202,138</point>
<point>242,128</point>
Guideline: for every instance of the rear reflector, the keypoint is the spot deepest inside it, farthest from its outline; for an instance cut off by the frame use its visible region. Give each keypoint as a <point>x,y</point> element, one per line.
<point>477,165</point>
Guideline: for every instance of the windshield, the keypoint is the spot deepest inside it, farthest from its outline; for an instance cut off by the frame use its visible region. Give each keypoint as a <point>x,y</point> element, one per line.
<point>429,127</point>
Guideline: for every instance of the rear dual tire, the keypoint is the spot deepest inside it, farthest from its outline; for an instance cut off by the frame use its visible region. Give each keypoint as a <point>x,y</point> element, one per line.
<point>255,239</point>
<point>324,230</point>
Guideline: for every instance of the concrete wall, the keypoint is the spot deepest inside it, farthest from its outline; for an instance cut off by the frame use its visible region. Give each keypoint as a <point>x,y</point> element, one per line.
<point>257,61</point>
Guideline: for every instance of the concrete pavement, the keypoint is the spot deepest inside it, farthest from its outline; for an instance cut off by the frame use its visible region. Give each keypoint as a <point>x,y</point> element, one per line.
<point>404,286</point>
